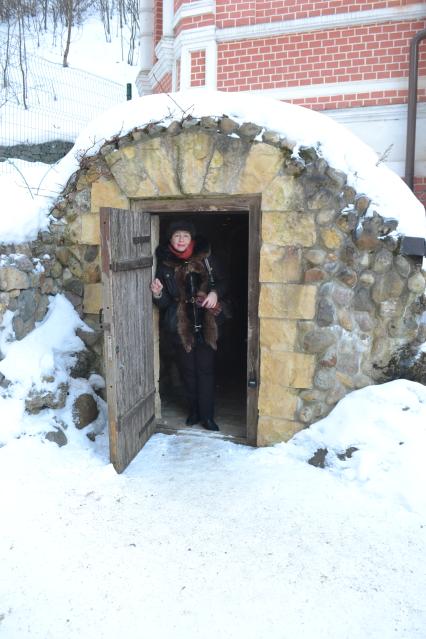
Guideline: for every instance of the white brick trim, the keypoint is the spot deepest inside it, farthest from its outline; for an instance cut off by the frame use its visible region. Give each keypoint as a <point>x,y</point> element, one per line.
<point>322,23</point>
<point>338,88</point>
<point>168,18</point>
<point>191,9</point>
<point>202,38</point>
<point>375,113</point>
<point>164,64</point>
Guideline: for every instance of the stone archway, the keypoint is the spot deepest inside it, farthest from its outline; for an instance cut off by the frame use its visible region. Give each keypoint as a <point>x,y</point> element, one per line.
<point>336,296</point>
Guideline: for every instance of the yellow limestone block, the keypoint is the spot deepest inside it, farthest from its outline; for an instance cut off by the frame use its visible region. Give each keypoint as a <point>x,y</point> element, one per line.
<point>262,165</point>
<point>289,301</point>
<point>288,228</point>
<point>107,193</point>
<point>92,300</point>
<point>291,370</point>
<point>272,430</point>
<point>90,229</point>
<point>278,334</point>
<point>280,263</point>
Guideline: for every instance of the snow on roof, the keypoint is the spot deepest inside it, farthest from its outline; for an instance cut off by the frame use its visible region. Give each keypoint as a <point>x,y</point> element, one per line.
<point>389,195</point>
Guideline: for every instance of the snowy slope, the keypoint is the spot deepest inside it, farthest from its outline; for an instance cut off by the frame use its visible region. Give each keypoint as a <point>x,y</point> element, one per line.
<point>61,101</point>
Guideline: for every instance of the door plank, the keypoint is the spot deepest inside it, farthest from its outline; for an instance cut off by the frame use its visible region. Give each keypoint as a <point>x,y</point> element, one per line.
<point>129,357</point>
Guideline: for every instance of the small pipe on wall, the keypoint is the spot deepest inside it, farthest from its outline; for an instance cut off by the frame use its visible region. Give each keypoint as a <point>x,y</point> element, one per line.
<point>412,108</point>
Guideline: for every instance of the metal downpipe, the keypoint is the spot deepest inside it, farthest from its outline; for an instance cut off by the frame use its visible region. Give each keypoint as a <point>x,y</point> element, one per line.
<point>412,108</point>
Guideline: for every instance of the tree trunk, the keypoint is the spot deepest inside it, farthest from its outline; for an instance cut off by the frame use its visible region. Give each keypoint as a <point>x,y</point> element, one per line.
<point>70,7</point>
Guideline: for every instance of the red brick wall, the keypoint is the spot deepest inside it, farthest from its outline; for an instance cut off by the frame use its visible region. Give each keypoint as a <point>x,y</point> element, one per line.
<point>164,85</point>
<point>420,189</point>
<point>350,100</point>
<point>373,52</point>
<point>198,68</point>
<point>178,74</point>
<point>158,22</point>
<point>178,3</point>
<point>232,14</point>
<point>193,22</point>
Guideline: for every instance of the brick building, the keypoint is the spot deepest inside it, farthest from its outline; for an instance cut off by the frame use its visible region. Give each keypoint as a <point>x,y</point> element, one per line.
<point>349,58</point>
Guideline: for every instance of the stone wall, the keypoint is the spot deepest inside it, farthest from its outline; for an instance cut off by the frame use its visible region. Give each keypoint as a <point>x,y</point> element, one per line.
<point>337,298</point>
<point>47,152</point>
<point>29,274</point>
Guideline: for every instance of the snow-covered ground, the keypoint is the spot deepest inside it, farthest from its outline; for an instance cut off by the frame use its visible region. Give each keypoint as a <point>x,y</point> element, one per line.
<point>204,538</point>
<point>200,537</point>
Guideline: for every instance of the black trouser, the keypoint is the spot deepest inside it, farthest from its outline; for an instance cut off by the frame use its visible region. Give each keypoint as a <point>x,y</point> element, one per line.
<point>197,371</point>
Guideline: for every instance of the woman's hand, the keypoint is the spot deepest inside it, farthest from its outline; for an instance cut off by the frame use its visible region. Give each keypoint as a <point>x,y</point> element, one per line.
<point>210,300</point>
<point>156,287</point>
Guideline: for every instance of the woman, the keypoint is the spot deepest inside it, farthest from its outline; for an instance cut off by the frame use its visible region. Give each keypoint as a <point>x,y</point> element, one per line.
<point>187,289</point>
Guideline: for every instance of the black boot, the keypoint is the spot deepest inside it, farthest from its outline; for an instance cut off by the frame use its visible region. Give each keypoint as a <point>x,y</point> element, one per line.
<point>210,424</point>
<point>192,419</point>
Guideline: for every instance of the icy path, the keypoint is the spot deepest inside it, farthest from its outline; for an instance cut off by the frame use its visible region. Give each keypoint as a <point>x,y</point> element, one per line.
<point>200,538</point>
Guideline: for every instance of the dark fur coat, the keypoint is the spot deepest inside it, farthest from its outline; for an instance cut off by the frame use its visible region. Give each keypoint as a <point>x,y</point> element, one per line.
<point>175,300</point>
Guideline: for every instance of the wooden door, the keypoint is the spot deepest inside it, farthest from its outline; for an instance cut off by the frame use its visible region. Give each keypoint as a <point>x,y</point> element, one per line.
<point>128,330</point>
<point>217,205</point>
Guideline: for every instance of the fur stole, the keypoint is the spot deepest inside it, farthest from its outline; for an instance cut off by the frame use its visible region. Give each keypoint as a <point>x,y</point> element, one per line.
<point>194,264</point>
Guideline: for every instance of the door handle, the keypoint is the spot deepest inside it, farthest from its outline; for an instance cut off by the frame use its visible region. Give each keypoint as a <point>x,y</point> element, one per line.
<point>252,382</point>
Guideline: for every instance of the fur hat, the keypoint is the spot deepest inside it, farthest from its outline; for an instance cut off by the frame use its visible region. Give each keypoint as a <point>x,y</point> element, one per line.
<point>180,225</point>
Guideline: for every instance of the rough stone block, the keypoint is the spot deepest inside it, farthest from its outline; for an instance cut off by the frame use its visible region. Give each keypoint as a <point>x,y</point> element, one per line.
<point>272,430</point>
<point>275,401</point>
<point>318,340</point>
<point>107,193</point>
<point>90,229</point>
<point>291,370</point>
<point>225,165</point>
<point>84,410</point>
<point>262,165</point>
<point>130,175</point>
<point>195,149</point>
<point>92,300</point>
<point>249,131</point>
<point>12,278</point>
<point>158,158</point>
<point>289,301</point>
<point>288,228</point>
<point>91,273</point>
<point>388,285</point>
<point>332,238</point>
<point>416,283</point>
<point>280,264</point>
<point>284,193</point>
<point>278,334</point>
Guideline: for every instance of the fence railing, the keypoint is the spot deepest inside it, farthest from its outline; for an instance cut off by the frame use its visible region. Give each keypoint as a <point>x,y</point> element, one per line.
<point>60,103</point>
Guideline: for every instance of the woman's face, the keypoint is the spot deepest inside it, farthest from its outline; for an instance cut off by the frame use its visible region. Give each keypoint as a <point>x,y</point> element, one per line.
<point>180,240</point>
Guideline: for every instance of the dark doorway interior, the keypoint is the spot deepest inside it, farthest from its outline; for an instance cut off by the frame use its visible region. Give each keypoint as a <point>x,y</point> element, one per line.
<point>228,236</point>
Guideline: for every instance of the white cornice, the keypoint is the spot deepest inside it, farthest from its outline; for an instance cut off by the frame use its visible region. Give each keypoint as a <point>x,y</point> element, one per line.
<point>321,23</point>
<point>194,39</point>
<point>338,88</point>
<point>170,49</point>
<point>190,9</point>
<point>164,64</point>
<point>375,113</point>
<point>143,83</point>
<point>164,49</point>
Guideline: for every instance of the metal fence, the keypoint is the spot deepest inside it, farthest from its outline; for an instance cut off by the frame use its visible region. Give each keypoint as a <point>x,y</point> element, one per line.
<point>60,103</point>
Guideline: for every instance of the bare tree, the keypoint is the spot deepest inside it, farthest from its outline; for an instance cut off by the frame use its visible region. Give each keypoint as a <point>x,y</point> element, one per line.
<point>105,10</point>
<point>69,15</point>
<point>133,11</point>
